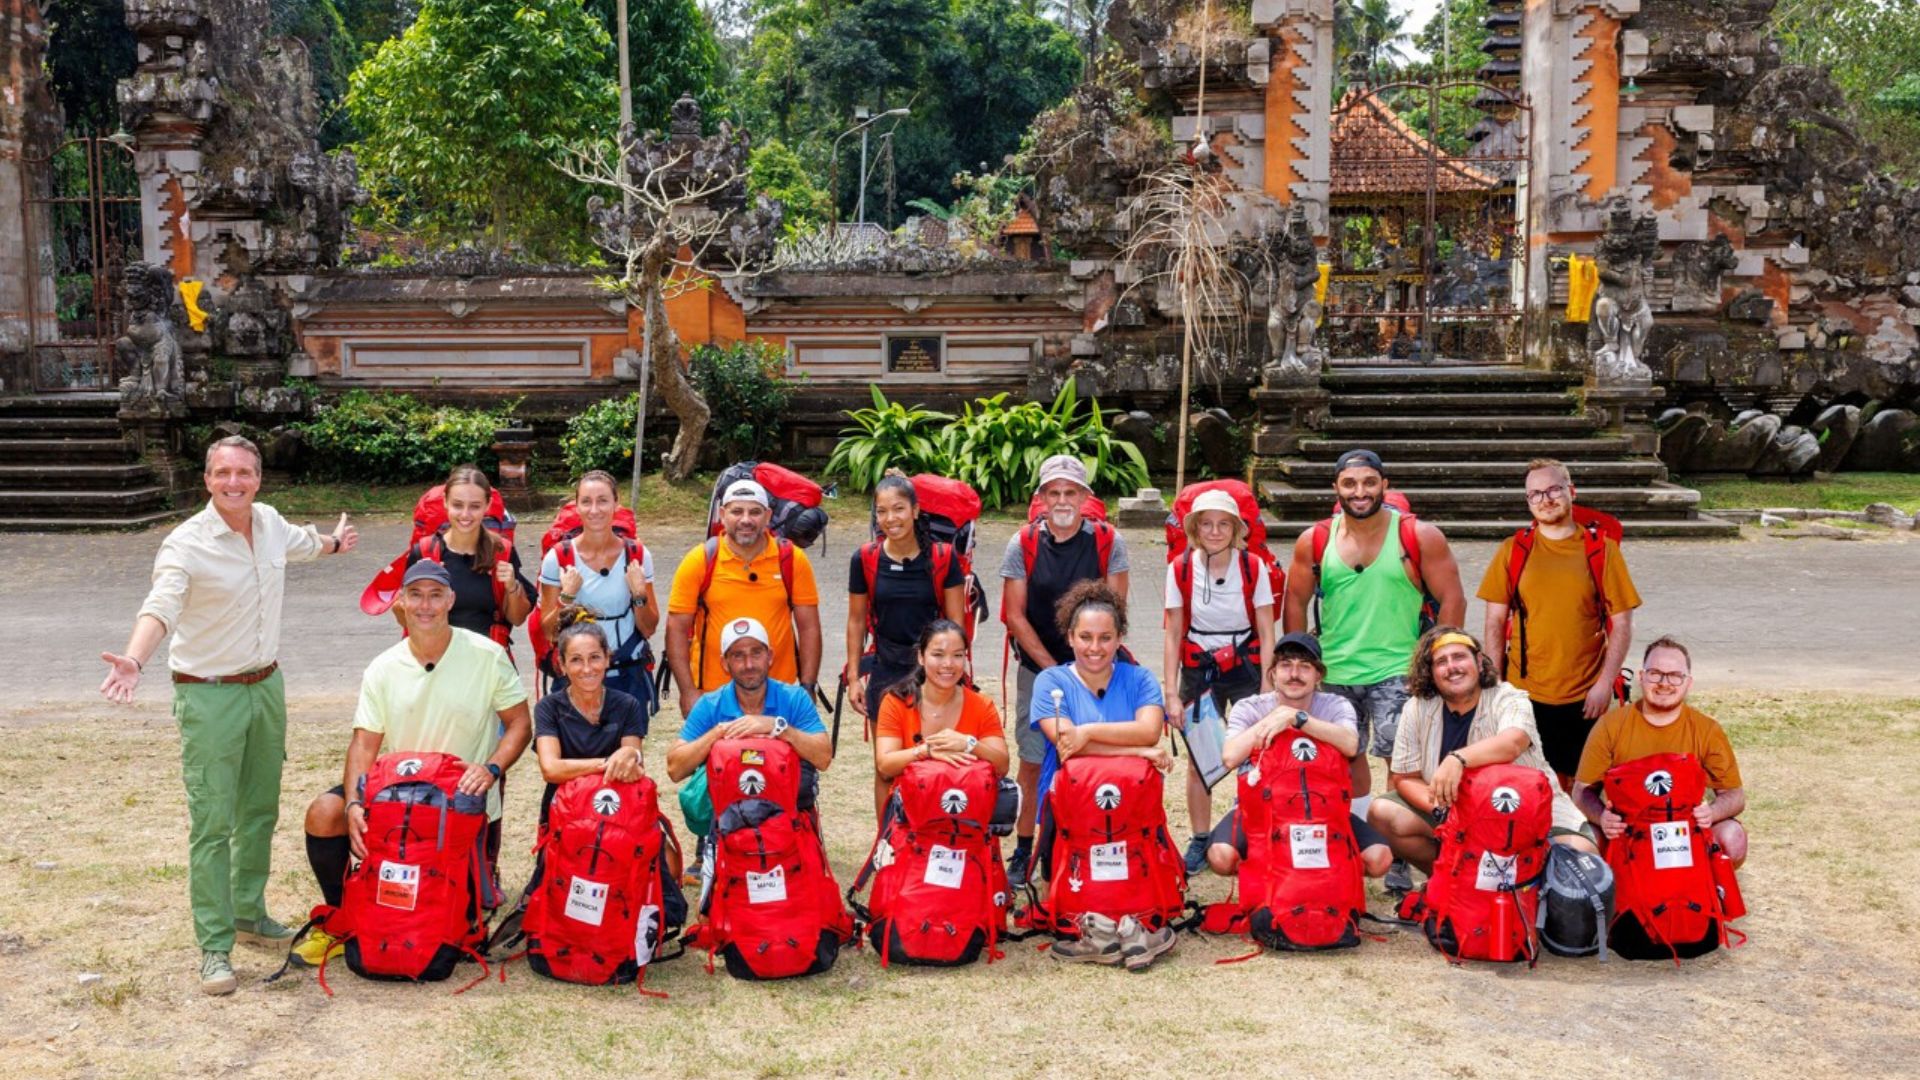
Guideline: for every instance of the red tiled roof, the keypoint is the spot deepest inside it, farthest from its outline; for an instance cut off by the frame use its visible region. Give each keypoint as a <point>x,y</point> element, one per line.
<point>1376,153</point>
<point>1021,225</point>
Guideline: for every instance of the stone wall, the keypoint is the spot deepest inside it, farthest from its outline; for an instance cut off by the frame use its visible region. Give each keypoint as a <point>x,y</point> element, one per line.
<point>30,126</point>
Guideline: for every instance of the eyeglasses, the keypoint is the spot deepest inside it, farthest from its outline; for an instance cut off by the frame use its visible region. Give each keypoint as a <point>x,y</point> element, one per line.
<point>1664,678</point>
<point>1547,494</point>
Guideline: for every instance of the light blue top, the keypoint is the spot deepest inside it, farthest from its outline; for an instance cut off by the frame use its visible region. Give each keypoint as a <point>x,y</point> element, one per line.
<point>606,594</point>
<point>1131,689</point>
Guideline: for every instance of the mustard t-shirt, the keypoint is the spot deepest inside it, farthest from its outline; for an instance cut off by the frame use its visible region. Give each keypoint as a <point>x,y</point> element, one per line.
<point>1566,632</point>
<point>453,709</point>
<point>741,591</point>
<point>1624,735</point>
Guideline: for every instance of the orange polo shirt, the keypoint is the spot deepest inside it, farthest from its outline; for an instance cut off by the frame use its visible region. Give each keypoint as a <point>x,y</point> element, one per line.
<point>741,590</point>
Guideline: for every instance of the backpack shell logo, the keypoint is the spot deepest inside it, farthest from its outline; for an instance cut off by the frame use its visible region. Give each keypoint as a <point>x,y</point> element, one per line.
<point>606,802</point>
<point>752,783</point>
<point>1505,799</point>
<point>953,801</point>
<point>1659,782</point>
<point>1305,750</point>
<point>410,767</point>
<point>1107,797</point>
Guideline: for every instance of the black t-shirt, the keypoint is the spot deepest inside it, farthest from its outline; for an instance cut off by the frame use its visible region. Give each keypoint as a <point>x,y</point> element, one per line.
<point>1058,567</point>
<point>620,715</point>
<point>903,603</point>
<point>1453,729</point>
<point>473,606</point>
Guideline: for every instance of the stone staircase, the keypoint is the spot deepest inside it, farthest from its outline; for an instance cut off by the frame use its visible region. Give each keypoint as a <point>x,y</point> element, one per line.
<point>1456,440</point>
<point>64,465</point>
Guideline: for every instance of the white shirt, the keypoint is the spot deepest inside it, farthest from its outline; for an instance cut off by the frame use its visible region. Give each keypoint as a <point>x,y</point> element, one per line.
<point>220,598</point>
<point>1219,615</point>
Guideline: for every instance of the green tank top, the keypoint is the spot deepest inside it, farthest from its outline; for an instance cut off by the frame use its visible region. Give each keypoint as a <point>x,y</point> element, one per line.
<point>1369,620</point>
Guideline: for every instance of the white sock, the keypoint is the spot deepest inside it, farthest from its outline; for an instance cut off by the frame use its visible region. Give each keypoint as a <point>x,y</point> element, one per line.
<point>1360,806</point>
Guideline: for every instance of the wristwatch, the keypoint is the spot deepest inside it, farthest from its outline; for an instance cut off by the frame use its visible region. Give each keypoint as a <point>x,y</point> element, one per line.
<point>1300,719</point>
<point>971,743</point>
<point>779,726</point>
<point>495,770</point>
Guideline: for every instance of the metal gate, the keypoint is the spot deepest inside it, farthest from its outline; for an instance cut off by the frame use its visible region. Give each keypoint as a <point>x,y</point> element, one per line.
<point>1428,242</point>
<point>85,217</point>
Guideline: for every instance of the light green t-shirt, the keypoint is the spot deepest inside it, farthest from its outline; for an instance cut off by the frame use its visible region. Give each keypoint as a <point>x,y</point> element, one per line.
<point>453,709</point>
<point>1369,620</point>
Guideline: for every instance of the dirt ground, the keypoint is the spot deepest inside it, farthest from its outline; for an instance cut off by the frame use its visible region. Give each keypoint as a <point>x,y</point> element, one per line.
<point>1792,640</point>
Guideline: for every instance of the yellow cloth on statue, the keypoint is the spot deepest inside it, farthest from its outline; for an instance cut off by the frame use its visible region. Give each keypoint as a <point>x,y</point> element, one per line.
<point>1320,286</point>
<point>1583,284</point>
<point>190,295</point>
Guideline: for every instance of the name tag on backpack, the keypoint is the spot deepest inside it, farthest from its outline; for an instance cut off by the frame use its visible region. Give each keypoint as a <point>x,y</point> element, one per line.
<point>1672,845</point>
<point>767,888</point>
<point>1309,844</point>
<point>587,901</point>
<point>1496,872</point>
<point>1109,861</point>
<point>946,867</point>
<point>399,886</point>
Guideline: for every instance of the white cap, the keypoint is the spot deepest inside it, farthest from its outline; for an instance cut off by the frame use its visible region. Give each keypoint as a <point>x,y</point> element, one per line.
<point>1214,500</point>
<point>743,628</point>
<point>745,491</point>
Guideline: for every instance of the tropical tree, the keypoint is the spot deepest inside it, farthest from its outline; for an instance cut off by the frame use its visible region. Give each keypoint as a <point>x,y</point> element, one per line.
<point>671,50</point>
<point>1369,36</point>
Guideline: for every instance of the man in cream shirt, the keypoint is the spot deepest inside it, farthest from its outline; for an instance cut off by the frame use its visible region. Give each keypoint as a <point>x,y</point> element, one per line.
<point>218,584</point>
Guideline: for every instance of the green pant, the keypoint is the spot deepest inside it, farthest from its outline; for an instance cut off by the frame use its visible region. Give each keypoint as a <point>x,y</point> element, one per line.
<point>233,741</point>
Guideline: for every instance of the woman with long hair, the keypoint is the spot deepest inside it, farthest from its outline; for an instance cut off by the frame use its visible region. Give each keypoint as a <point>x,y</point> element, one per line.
<point>611,577</point>
<point>491,594</point>
<point>933,713</point>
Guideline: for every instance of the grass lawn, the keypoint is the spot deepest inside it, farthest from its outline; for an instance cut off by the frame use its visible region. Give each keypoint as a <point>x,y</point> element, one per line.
<point>93,882</point>
<point>1845,491</point>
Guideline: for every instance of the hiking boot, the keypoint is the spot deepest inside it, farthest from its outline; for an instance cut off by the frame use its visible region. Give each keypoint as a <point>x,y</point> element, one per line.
<point>317,948</point>
<point>1197,854</point>
<point>1017,868</point>
<point>1399,879</point>
<point>1098,943</point>
<point>266,930</point>
<point>216,975</point>
<point>1140,947</point>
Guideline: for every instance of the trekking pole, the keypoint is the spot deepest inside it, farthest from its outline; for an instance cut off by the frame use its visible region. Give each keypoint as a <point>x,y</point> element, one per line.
<point>839,696</point>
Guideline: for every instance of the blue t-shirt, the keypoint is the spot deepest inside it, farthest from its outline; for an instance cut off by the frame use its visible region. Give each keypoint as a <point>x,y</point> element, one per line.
<point>784,700</point>
<point>1131,689</point>
<point>605,594</point>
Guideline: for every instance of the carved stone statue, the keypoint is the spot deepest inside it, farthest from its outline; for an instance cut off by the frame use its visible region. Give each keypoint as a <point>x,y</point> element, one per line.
<point>1292,313</point>
<point>149,350</point>
<point>1696,273</point>
<point>1622,318</point>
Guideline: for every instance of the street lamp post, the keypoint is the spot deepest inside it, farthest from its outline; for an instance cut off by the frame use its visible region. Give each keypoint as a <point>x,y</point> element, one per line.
<point>833,172</point>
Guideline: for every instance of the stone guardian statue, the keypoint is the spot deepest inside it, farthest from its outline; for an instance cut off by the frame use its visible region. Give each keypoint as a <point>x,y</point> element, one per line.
<point>1293,315</point>
<point>1622,317</point>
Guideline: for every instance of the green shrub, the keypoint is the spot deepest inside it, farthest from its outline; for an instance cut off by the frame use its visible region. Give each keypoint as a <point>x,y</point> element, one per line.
<point>745,386</point>
<point>601,437</point>
<point>384,437</point>
<point>888,436</point>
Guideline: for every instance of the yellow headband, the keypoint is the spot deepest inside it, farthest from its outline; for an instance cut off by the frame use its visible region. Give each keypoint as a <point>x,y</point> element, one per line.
<point>1454,638</point>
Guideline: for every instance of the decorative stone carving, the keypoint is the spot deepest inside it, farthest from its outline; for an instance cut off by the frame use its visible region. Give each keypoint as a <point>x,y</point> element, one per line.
<point>1292,313</point>
<point>150,348</point>
<point>1696,273</point>
<point>1622,318</point>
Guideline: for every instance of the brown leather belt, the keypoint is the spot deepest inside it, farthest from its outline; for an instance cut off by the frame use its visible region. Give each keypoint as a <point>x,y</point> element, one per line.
<point>245,678</point>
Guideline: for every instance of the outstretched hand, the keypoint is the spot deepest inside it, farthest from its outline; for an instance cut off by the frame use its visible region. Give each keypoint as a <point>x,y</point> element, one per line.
<point>345,536</point>
<point>123,678</point>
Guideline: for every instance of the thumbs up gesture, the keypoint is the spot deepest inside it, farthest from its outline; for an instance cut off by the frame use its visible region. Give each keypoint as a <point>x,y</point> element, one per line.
<point>345,536</point>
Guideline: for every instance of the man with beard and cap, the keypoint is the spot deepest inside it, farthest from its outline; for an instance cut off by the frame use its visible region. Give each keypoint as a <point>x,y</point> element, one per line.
<point>1570,613</point>
<point>1296,703</point>
<point>1044,560</point>
<point>1370,589</point>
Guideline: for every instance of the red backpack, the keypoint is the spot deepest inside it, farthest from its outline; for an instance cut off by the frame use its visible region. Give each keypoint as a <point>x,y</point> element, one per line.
<point>774,910</point>
<point>1111,852</point>
<point>429,542</point>
<point>939,888</point>
<point>1103,535</point>
<point>1256,559</point>
<point>1483,899</point>
<point>794,512</point>
<point>412,909</point>
<point>1596,528</point>
<point>1409,553</point>
<point>1674,890</point>
<point>559,538</point>
<point>599,914</point>
<point>1301,885</point>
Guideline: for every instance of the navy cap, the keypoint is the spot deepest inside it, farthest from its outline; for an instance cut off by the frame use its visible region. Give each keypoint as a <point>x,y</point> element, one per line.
<point>1355,457</point>
<point>1306,643</point>
<point>426,570</point>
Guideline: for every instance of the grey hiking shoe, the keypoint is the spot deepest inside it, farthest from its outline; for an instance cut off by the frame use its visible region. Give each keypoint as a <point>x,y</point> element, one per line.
<point>1196,854</point>
<point>216,975</point>
<point>1098,943</point>
<point>265,930</point>
<point>1140,947</point>
<point>1399,879</point>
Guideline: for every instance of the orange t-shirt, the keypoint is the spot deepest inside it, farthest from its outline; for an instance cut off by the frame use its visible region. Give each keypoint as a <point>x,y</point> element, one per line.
<point>1624,735</point>
<point>741,591</point>
<point>978,718</point>
<point>1566,636</point>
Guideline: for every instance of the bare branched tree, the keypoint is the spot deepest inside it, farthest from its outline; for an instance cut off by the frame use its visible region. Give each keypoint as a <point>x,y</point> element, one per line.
<point>677,221</point>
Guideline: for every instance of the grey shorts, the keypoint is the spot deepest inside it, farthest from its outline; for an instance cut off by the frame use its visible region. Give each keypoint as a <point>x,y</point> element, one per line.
<point>1377,707</point>
<point>1032,742</point>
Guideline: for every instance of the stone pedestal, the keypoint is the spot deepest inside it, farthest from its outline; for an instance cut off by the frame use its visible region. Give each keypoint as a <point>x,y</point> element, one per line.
<point>1144,508</point>
<point>157,432</point>
<point>1626,410</point>
<point>1286,416</point>
<point>515,447</point>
